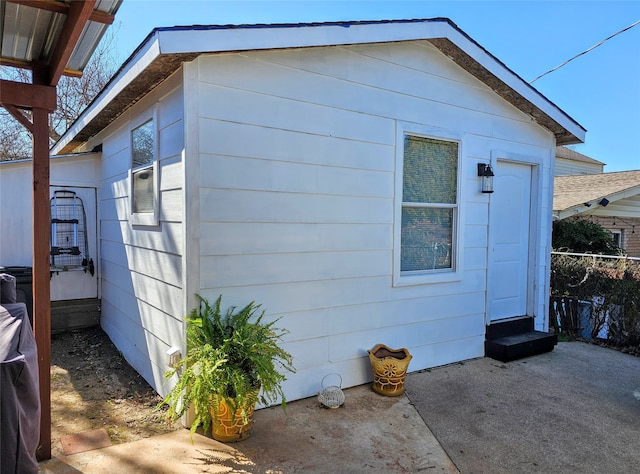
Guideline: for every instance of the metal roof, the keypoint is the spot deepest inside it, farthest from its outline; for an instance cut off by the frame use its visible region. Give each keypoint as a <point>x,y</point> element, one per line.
<point>31,31</point>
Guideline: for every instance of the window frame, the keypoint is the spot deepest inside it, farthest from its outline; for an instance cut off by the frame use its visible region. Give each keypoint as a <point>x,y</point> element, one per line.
<point>145,218</point>
<point>616,237</point>
<point>420,277</point>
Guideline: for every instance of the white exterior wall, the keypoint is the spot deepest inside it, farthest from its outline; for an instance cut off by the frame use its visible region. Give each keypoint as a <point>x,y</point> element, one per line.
<point>572,167</point>
<point>16,210</point>
<point>141,266</point>
<point>16,213</point>
<point>294,153</point>
<point>625,208</point>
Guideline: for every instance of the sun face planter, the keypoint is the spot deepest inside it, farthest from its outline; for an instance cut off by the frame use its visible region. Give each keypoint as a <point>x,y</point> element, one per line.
<point>389,369</point>
<point>229,427</point>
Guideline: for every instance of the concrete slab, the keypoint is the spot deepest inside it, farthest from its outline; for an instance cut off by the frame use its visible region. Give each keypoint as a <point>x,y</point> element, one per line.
<point>85,441</point>
<point>573,410</point>
<point>368,433</point>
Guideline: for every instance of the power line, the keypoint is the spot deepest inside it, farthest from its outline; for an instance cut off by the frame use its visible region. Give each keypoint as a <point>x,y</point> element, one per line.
<point>585,51</point>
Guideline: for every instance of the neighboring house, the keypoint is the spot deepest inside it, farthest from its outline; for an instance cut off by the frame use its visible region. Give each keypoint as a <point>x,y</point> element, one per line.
<point>570,162</point>
<point>329,172</point>
<point>611,199</point>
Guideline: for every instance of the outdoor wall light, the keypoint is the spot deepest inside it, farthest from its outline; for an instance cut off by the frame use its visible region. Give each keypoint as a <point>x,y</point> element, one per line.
<point>486,173</point>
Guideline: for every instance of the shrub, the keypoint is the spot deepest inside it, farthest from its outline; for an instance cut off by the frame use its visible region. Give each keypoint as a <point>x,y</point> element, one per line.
<point>583,236</point>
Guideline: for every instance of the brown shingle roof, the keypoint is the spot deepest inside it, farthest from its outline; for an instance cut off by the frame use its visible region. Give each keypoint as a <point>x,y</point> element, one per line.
<point>570,191</point>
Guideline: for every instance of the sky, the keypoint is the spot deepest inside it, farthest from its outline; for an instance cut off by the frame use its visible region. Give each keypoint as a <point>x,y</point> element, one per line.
<point>600,89</point>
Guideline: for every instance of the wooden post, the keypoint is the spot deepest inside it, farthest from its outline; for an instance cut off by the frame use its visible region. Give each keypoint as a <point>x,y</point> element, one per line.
<point>41,276</point>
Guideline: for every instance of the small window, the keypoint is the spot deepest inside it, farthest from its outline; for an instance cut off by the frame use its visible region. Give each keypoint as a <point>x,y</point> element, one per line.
<point>429,201</point>
<point>426,239</point>
<point>143,174</point>
<point>616,236</point>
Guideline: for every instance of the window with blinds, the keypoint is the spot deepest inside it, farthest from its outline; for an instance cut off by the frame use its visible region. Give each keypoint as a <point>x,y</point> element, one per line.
<point>429,205</point>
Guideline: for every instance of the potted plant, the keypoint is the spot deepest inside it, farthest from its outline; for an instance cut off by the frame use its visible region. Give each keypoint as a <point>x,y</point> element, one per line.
<point>231,359</point>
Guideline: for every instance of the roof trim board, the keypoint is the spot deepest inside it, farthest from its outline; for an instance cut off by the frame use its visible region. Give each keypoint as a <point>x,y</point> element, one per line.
<point>164,49</point>
<point>217,39</point>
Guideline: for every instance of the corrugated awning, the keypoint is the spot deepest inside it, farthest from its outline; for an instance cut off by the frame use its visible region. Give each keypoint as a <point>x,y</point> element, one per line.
<point>34,32</point>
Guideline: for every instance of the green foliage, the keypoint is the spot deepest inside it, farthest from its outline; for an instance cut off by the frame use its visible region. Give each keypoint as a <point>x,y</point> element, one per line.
<point>583,236</point>
<point>232,356</point>
<point>609,287</point>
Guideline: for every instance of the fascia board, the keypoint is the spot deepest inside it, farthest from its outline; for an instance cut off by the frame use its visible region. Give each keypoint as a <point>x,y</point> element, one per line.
<point>194,40</point>
<point>624,194</point>
<point>570,212</point>
<point>214,40</point>
<point>142,59</point>
<point>515,82</point>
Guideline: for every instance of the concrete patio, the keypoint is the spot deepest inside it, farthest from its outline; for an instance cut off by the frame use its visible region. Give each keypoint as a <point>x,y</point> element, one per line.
<point>573,410</point>
<point>369,433</point>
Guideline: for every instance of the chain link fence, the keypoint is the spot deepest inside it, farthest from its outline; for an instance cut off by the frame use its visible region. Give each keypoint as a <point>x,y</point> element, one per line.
<point>596,297</point>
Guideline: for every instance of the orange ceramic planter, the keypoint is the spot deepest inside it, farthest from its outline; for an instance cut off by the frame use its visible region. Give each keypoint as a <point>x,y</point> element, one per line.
<point>389,369</point>
<point>229,427</point>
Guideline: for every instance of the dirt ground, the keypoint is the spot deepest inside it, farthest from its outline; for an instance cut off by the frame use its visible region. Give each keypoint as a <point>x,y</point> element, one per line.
<point>93,387</point>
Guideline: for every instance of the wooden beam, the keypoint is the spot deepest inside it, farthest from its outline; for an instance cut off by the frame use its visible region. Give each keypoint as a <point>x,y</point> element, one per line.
<point>27,96</point>
<point>79,13</point>
<point>56,6</point>
<point>41,277</point>
<point>29,65</point>
<point>19,116</point>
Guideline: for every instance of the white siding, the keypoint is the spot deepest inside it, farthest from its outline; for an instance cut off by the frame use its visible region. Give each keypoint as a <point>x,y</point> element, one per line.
<point>142,297</point>
<point>16,213</point>
<point>295,159</point>
<point>572,167</point>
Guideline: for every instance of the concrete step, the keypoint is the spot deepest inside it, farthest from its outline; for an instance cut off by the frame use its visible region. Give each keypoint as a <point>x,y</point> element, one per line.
<point>515,339</point>
<point>517,346</point>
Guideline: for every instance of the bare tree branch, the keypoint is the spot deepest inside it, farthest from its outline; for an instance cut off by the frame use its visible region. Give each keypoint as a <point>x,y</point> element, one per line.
<point>74,94</point>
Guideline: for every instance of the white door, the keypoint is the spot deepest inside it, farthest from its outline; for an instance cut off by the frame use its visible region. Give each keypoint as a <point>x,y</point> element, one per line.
<point>509,220</point>
<point>77,284</point>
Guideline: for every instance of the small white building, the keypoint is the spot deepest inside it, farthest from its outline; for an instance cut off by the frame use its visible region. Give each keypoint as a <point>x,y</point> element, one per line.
<point>570,162</point>
<point>75,294</point>
<point>330,173</point>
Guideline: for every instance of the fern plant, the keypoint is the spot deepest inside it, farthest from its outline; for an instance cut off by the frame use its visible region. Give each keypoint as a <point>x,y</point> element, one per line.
<point>232,356</point>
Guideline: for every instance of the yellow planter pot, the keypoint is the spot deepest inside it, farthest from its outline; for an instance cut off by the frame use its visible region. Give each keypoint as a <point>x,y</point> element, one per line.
<point>389,369</point>
<point>229,427</point>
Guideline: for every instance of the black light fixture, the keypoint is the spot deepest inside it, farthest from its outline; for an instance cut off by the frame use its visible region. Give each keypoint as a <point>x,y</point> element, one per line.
<point>486,173</point>
<point>603,202</point>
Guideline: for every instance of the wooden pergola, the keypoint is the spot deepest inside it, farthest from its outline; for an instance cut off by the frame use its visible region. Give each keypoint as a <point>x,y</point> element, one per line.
<point>51,38</point>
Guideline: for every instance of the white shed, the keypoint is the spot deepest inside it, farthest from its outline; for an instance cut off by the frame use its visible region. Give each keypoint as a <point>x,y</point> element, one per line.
<point>329,172</point>
<point>75,292</point>
<point>570,162</point>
